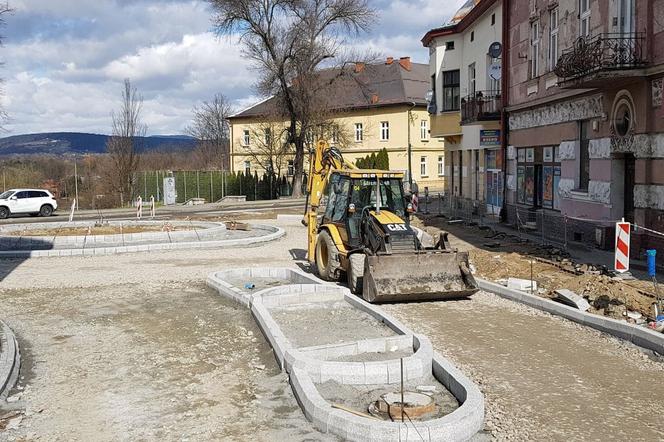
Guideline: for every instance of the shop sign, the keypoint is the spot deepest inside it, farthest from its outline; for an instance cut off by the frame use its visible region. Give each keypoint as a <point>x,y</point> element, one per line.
<point>489,138</point>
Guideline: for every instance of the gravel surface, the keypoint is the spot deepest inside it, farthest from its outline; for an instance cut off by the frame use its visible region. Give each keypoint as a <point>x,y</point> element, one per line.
<point>134,347</point>
<point>343,322</point>
<point>545,378</point>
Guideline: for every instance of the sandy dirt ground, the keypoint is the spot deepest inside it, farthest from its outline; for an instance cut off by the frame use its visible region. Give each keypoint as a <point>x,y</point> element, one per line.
<point>606,295</point>
<point>134,347</point>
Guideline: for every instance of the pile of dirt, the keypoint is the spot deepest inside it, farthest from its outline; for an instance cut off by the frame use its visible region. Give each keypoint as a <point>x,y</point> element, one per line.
<point>502,257</point>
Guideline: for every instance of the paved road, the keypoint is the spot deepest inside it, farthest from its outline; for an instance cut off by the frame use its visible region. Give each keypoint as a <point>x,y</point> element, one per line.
<point>167,212</point>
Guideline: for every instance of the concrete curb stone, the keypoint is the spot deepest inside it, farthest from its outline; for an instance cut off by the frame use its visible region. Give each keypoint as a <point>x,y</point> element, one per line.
<point>10,360</point>
<point>304,371</point>
<point>274,234</point>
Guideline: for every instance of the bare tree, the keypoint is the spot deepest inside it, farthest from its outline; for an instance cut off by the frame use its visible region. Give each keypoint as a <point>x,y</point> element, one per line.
<point>269,148</point>
<point>123,145</point>
<point>211,129</point>
<point>4,10</point>
<point>289,41</point>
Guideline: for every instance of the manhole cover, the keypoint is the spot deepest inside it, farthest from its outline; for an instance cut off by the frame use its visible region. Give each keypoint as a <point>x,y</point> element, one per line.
<point>415,405</point>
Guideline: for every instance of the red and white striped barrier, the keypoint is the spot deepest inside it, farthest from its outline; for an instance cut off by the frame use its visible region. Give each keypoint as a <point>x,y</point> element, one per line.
<point>415,201</point>
<point>623,231</point>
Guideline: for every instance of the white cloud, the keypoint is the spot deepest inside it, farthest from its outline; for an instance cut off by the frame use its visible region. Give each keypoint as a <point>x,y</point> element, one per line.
<point>65,60</point>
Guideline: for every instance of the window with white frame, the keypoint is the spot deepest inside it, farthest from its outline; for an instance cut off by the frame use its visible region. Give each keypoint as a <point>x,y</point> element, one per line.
<point>585,18</point>
<point>424,130</point>
<point>291,168</point>
<point>423,167</point>
<point>247,167</point>
<point>246,138</point>
<point>534,49</point>
<point>472,75</point>
<point>268,136</point>
<point>384,130</point>
<point>553,38</point>
<point>359,132</point>
<point>309,136</point>
<point>441,165</point>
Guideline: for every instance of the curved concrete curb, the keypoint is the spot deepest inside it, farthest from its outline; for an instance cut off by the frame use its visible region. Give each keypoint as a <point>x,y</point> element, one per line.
<point>10,360</point>
<point>219,281</point>
<point>305,371</point>
<point>640,336</point>
<point>308,366</point>
<point>202,230</point>
<point>274,233</point>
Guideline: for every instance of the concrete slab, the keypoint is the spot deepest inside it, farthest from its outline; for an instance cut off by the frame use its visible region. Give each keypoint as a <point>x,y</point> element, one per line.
<point>570,298</point>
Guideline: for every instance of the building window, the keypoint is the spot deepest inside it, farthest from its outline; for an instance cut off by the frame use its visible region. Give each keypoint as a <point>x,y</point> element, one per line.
<point>335,134</point>
<point>553,38</point>
<point>268,136</point>
<point>424,130</point>
<point>534,49</point>
<point>246,137</point>
<point>451,98</point>
<point>493,19</point>
<point>423,167</point>
<point>247,167</point>
<point>493,82</point>
<point>472,35</point>
<point>449,46</point>
<point>384,130</point>
<point>584,155</point>
<point>472,72</point>
<point>359,133</point>
<point>291,168</point>
<point>441,165</point>
<point>585,18</point>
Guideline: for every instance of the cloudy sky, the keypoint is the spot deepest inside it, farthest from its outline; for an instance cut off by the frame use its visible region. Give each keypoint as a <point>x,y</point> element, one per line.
<point>65,60</point>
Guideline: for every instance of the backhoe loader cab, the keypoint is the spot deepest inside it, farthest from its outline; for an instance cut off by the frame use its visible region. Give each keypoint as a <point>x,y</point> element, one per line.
<point>359,228</point>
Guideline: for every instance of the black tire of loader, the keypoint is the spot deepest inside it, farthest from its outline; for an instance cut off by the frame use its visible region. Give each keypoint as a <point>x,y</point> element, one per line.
<point>356,273</point>
<point>325,250</point>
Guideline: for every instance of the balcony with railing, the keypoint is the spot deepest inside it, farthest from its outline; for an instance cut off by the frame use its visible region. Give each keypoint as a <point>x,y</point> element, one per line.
<point>481,106</point>
<point>592,59</point>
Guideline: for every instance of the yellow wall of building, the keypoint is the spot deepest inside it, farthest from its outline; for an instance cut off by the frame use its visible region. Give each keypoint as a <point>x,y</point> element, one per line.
<point>429,148</point>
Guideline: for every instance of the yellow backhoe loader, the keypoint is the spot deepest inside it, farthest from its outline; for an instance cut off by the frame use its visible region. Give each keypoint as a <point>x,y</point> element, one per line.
<point>364,234</point>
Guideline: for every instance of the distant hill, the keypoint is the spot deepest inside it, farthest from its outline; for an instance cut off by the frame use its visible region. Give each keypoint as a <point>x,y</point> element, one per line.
<point>71,143</point>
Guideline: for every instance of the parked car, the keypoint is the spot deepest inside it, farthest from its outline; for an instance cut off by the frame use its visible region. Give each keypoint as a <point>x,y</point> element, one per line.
<point>27,201</point>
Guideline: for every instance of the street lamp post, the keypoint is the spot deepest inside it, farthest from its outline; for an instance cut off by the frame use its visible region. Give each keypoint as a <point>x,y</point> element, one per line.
<point>410,148</point>
<point>76,183</point>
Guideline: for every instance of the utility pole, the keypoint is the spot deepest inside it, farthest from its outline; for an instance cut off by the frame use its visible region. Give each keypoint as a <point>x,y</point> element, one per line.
<point>76,181</point>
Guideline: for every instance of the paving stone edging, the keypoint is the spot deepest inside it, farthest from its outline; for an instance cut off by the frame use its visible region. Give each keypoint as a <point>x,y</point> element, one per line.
<point>275,233</point>
<point>305,370</point>
<point>205,230</point>
<point>640,336</point>
<point>10,360</point>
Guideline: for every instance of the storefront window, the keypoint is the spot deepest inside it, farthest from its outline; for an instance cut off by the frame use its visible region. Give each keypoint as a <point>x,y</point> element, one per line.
<point>538,177</point>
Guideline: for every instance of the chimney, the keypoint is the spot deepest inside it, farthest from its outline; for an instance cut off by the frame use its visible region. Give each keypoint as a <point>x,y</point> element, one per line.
<point>406,63</point>
<point>359,67</point>
<point>390,60</point>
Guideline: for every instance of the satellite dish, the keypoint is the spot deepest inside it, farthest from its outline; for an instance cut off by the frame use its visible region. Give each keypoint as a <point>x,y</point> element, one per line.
<point>495,49</point>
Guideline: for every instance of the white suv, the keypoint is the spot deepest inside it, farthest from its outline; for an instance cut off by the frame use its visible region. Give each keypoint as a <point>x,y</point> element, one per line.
<point>27,201</point>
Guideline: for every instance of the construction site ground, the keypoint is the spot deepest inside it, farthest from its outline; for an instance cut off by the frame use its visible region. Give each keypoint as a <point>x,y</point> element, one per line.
<point>135,347</point>
<point>501,254</point>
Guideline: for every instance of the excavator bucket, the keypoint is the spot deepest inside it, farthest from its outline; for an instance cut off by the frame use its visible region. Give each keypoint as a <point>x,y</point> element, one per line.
<point>424,276</point>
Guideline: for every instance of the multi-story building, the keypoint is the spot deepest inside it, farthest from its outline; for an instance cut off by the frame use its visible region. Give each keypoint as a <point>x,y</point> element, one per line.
<point>370,108</point>
<point>584,101</point>
<point>466,100</point>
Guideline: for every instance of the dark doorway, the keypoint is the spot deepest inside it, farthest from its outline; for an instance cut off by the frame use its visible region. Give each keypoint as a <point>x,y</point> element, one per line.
<point>630,172</point>
<point>539,187</point>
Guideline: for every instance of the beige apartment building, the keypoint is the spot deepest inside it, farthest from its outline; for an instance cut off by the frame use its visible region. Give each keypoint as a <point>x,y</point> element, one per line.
<point>372,107</point>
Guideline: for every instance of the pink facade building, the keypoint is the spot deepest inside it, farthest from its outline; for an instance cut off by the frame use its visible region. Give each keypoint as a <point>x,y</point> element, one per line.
<point>583,93</point>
